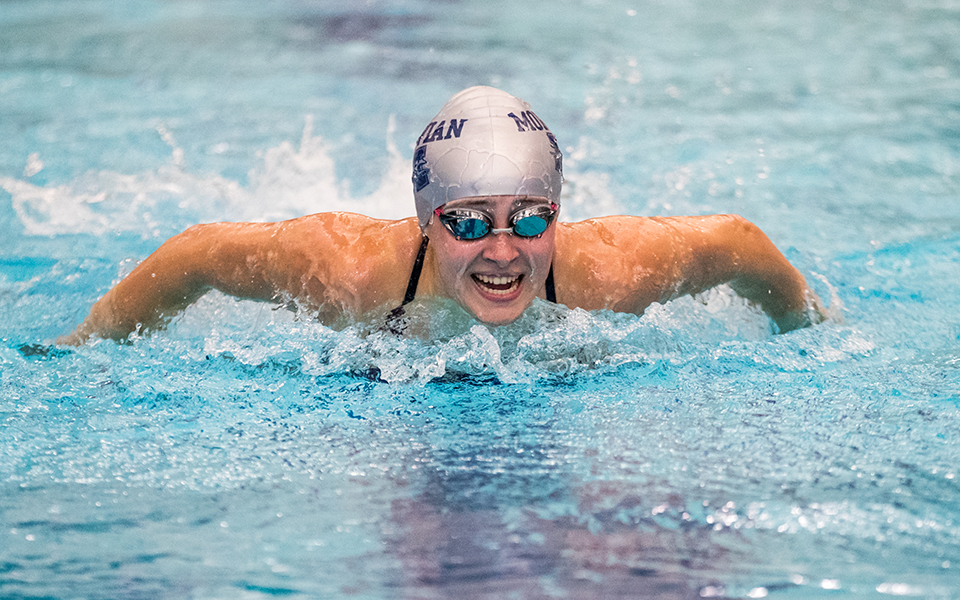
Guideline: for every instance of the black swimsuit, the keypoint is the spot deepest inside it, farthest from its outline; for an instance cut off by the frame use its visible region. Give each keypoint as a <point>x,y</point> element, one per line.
<point>393,323</point>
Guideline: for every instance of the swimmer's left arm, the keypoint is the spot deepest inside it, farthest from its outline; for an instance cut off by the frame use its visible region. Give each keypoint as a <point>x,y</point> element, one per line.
<point>627,263</point>
<point>729,249</point>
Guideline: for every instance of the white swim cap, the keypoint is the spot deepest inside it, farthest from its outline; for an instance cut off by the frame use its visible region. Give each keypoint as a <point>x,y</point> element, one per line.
<point>484,142</point>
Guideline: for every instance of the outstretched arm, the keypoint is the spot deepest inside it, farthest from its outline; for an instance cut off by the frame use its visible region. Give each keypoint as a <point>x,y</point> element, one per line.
<point>627,263</point>
<point>730,249</point>
<point>220,255</point>
<point>335,264</point>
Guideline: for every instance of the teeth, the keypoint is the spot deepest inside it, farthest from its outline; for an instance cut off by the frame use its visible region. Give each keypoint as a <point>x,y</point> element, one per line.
<point>497,280</point>
<point>505,285</point>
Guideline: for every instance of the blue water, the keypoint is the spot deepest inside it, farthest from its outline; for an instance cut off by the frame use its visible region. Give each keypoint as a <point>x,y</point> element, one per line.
<point>687,453</point>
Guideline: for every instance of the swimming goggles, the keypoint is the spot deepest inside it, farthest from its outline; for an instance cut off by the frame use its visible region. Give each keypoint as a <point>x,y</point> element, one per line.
<point>472,224</point>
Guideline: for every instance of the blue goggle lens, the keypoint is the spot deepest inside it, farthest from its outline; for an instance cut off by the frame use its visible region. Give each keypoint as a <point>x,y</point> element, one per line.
<point>468,228</point>
<point>530,226</point>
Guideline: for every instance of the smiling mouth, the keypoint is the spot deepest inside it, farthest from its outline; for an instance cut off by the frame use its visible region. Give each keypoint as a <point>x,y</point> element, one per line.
<point>498,286</point>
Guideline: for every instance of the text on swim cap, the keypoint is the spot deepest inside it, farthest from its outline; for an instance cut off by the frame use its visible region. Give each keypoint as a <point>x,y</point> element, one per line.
<point>434,131</point>
<point>529,120</point>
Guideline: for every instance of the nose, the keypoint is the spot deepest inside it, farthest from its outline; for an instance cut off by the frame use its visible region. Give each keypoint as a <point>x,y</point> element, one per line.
<point>501,247</point>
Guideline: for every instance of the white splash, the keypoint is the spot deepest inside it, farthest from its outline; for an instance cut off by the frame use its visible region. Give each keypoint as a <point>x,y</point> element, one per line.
<point>290,182</point>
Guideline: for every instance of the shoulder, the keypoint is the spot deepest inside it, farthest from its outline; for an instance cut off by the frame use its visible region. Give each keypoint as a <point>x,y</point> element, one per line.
<point>607,231</point>
<point>598,263</point>
<point>614,239</point>
<point>627,262</point>
<point>621,235</point>
<point>342,226</point>
<point>339,263</point>
<point>362,261</point>
<point>339,236</point>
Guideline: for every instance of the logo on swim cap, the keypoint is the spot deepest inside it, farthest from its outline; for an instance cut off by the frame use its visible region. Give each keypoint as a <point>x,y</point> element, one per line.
<point>421,174</point>
<point>484,142</point>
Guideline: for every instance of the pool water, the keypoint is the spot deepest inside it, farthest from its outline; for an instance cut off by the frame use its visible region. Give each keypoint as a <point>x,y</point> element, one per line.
<point>248,452</point>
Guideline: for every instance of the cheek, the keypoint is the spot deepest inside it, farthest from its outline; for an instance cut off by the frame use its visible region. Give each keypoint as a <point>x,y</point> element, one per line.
<point>453,271</point>
<point>453,260</point>
<point>541,254</point>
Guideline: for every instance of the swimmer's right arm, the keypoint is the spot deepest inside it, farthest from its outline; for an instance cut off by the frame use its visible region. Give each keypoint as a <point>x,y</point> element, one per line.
<point>231,257</point>
<point>333,263</point>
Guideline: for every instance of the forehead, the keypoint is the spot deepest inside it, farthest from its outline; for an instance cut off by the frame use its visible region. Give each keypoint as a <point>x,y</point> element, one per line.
<point>492,203</point>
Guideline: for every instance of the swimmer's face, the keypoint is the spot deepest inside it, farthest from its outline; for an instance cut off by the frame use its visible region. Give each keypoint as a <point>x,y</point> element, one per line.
<point>495,278</point>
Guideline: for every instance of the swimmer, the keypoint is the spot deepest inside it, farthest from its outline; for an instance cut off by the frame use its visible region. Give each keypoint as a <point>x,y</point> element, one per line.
<point>487,174</point>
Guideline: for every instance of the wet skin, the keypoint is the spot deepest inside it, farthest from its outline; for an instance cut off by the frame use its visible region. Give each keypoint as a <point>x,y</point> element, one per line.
<point>343,266</point>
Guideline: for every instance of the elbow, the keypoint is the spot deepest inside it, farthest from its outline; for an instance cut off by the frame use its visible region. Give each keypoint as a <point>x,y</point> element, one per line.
<point>750,252</point>
<point>185,259</point>
<point>196,238</point>
<point>744,231</point>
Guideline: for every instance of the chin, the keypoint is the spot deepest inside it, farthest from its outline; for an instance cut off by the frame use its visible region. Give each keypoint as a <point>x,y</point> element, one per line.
<point>496,310</point>
<point>499,322</point>
<point>500,315</point>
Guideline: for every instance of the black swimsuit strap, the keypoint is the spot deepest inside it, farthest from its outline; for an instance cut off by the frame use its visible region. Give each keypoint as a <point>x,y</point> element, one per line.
<point>394,323</point>
<point>415,273</point>
<point>551,289</point>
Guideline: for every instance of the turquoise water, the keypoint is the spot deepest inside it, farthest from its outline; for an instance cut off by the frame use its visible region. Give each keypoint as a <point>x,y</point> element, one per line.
<point>687,453</point>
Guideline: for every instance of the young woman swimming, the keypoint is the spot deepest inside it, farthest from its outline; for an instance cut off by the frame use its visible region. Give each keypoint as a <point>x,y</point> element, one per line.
<point>487,174</point>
